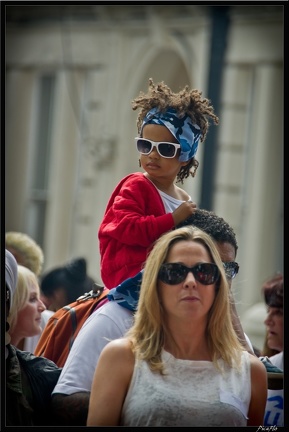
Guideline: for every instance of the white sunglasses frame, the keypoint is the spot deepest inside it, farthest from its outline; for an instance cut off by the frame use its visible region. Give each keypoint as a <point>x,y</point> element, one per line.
<point>156,145</point>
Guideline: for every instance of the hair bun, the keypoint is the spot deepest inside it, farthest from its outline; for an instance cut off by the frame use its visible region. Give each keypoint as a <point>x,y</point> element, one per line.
<point>76,269</point>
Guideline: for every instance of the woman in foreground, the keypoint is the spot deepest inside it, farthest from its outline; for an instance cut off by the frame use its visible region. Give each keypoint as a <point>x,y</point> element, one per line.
<point>181,363</point>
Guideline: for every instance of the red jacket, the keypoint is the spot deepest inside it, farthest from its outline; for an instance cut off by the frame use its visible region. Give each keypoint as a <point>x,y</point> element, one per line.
<point>134,218</point>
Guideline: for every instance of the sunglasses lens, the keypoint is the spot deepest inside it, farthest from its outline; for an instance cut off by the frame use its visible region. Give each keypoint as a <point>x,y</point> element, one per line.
<point>167,150</point>
<point>231,269</point>
<point>174,273</point>
<point>144,146</point>
<point>207,273</point>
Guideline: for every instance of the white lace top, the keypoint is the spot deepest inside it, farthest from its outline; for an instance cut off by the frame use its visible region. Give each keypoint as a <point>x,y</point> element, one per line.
<point>194,393</point>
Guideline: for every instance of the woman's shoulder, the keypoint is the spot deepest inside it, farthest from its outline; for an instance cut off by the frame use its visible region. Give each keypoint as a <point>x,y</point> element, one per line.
<point>120,347</point>
<point>117,355</point>
<point>257,367</point>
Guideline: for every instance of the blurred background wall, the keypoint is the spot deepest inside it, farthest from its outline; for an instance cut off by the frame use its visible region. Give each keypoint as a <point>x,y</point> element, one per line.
<point>71,73</point>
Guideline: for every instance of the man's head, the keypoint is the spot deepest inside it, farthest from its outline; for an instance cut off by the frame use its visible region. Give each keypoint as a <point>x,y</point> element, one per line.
<point>222,234</point>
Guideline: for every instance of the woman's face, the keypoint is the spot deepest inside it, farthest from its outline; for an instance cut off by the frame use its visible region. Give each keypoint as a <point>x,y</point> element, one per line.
<point>274,325</point>
<point>29,317</point>
<point>188,298</point>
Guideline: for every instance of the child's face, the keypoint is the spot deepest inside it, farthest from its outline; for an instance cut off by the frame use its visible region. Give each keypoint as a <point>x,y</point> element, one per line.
<point>153,163</point>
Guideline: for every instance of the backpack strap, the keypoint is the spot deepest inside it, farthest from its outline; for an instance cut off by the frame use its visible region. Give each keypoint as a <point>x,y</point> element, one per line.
<point>72,314</point>
<point>99,292</point>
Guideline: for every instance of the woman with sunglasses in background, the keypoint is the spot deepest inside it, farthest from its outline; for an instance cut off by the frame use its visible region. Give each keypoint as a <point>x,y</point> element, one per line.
<point>180,364</point>
<point>146,205</point>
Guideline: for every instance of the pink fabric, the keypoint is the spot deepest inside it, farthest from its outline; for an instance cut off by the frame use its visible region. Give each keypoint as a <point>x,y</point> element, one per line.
<point>134,218</point>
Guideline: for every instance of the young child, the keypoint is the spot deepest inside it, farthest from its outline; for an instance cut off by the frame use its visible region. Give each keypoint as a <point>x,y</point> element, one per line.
<point>144,206</point>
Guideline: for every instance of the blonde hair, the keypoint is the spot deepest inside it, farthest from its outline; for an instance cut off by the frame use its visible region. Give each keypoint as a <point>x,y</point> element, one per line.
<point>148,332</point>
<point>31,255</point>
<point>26,279</point>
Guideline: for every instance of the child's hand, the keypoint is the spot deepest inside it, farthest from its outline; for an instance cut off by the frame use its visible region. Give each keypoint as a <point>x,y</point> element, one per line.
<point>185,210</point>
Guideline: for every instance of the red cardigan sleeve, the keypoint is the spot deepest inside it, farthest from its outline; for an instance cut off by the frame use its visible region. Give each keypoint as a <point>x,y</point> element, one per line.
<point>134,218</point>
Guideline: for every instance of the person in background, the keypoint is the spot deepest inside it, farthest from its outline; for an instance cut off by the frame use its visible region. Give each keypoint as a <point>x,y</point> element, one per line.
<point>143,206</point>
<point>25,314</point>
<point>29,379</point>
<point>70,397</point>
<point>272,290</point>
<point>64,284</point>
<point>181,363</point>
<point>28,254</point>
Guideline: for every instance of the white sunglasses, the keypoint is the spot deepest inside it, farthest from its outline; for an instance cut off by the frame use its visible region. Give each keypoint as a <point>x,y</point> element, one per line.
<point>164,149</point>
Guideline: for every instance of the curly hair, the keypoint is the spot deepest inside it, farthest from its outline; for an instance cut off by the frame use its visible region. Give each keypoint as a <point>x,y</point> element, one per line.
<point>186,101</point>
<point>25,250</point>
<point>213,225</point>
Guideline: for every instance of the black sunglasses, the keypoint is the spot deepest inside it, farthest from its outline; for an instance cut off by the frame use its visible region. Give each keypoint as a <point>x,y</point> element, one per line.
<point>175,273</point>
<point>231,269</point>
<point>164,149</point>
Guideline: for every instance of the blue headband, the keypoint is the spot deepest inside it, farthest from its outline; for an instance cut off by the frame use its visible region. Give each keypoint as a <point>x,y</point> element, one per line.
<point>187,133</point>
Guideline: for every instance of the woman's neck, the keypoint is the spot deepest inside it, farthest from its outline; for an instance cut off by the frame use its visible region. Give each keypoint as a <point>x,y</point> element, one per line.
<point>186,344</point>
<point>18,342</point>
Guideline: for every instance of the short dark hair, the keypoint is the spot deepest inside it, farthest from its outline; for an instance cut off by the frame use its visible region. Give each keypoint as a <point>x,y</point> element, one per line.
<point>72,276</point>
<point>213,225</point>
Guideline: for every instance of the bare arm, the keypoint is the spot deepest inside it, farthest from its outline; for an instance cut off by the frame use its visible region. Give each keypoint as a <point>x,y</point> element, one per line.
<point>259,392</point>
<point>70,410</point>
<point>110,384</point>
